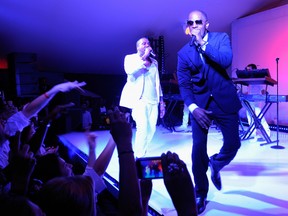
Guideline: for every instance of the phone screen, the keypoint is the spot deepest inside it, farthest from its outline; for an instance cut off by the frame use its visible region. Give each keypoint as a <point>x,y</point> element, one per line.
<point>149,168</point>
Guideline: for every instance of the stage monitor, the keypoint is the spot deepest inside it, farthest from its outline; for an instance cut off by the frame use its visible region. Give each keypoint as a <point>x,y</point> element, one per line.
<point>255,73</point>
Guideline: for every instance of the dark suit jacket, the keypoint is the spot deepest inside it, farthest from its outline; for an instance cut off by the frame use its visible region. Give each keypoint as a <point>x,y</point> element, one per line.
<point>198,80</point>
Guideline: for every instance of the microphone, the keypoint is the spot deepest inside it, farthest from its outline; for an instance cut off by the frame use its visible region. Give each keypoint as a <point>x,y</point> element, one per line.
<point>277,59</point>
<point>193,37</point>
<point>153,54</point>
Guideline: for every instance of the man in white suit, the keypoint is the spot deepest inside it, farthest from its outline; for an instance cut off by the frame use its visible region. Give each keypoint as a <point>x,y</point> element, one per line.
<point>142,94</point>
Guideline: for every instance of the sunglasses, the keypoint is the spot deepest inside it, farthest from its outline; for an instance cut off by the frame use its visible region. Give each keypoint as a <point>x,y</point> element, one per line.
<point>197,22</point>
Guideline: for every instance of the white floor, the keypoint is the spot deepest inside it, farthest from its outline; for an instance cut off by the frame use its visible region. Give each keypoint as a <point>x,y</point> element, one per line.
<point>254,183</point>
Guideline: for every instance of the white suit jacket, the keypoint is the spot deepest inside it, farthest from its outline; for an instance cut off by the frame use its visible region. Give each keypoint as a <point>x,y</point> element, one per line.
<point>133,88</point>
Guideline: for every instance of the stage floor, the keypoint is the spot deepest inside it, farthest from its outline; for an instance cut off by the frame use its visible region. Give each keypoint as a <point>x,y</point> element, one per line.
<point>253,184</point>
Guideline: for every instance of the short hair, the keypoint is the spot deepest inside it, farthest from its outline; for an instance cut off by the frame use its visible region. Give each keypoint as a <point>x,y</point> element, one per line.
<point>13,204</point>
<point>252,66</point>
<point>73,195</point>
<point>47,167</point>
<point>138,41</point>
<point>202,12</point>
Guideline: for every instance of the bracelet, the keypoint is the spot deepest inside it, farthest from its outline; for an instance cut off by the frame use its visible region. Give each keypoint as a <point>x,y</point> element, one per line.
<point>46,95</point>
<point>162,104</point>
<point>125,152</point>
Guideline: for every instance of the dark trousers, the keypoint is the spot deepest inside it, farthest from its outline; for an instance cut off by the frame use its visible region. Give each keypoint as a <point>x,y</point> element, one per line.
<point>228,124</point>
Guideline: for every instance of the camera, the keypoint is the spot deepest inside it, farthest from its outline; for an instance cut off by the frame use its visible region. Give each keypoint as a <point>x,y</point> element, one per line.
<point>149,168</point>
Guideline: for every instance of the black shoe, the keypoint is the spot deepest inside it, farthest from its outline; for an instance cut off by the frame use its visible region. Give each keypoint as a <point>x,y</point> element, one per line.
<point>215,177</point>
<point>201,204</point>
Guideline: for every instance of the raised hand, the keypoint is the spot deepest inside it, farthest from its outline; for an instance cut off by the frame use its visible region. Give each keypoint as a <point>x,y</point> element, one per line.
<point>121,131</point>
<point>146,190</point>
<point>68,86</point>
<point>22,163</point>
<point>179,184</point>
<point>130,202</point>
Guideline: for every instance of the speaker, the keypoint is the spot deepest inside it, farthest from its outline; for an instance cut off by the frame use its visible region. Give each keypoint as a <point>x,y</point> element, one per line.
<point>24,74</point>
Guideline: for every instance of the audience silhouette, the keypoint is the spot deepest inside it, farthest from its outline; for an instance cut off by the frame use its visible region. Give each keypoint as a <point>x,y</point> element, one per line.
<point>41,182</point>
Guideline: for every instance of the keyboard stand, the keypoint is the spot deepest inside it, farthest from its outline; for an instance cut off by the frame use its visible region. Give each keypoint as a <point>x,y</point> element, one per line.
<point>257,119</point>
<point>172,101</point>
<point>256,124</point>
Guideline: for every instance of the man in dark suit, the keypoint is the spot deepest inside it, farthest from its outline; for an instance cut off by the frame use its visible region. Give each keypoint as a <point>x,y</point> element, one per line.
<point>210,95</point>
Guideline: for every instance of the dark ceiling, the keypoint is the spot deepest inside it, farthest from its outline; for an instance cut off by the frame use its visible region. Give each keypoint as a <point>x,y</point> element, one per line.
<point>93,36</point>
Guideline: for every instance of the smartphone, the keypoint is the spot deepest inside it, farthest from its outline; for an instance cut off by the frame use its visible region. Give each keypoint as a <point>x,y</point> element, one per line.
<point>149,168</point>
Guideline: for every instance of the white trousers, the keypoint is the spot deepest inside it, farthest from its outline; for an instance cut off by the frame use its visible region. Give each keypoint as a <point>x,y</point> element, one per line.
<point>145,115</point>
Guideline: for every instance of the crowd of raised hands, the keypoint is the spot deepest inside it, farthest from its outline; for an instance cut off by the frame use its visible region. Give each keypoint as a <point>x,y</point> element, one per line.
<point>40,182</point>
<point>133,192</point>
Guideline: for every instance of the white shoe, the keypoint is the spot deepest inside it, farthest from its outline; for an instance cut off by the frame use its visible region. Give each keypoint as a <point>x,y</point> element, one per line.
<point>182,128</point>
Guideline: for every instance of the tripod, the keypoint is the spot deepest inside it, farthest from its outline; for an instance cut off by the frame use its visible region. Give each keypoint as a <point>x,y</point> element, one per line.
<point>277,146</point>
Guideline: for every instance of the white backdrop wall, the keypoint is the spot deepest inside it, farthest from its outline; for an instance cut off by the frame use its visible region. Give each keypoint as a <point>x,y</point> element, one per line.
<point>260,39</point>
